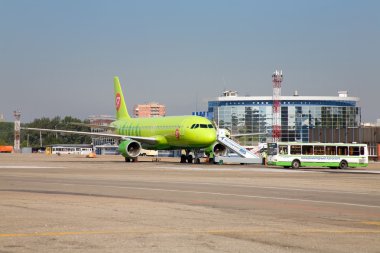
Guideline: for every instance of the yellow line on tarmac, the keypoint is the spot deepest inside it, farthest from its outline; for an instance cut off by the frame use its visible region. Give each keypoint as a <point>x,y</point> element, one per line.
<point>214,232</point>
<point>377,223</point>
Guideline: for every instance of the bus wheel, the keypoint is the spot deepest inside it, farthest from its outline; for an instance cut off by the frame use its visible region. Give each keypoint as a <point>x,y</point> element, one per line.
<point>296,164</point>
<point>183,158</point>
<point>190,159</point>
<point>343,165</point>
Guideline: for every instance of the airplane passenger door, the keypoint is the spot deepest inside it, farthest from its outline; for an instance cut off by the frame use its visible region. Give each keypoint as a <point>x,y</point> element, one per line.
<point>178,132</point>
<point>181,130</point>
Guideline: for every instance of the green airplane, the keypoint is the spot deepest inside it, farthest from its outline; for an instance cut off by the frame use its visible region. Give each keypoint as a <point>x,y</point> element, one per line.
<point>189,133</point>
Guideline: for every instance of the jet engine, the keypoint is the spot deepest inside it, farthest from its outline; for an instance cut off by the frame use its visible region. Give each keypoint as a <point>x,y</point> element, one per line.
<point>218,149</point>
<point>130,148</point>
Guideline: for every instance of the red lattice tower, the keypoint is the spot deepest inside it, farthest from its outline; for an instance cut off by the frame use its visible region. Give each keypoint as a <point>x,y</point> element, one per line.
<point>276,109</point>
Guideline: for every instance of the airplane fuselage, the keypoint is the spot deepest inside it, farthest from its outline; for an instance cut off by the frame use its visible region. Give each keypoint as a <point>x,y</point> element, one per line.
<point>173,132</point>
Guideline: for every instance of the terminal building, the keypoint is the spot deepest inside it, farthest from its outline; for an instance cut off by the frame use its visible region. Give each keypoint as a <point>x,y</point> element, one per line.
<point>103,145</point>
<point>249,118</point>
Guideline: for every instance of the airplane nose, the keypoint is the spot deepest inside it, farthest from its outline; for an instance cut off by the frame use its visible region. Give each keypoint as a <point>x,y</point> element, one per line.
<point>210,137</point>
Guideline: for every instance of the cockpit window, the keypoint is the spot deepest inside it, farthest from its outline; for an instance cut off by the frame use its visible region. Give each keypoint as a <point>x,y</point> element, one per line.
<point>193,126</point>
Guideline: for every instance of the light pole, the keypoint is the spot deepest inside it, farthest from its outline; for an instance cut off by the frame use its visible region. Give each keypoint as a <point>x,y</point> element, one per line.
<point>17,129</point>
<point>40,139</point>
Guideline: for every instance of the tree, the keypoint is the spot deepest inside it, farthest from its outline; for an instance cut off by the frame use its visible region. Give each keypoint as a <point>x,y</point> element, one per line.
<point>67,123</point>
<point>6,133</point>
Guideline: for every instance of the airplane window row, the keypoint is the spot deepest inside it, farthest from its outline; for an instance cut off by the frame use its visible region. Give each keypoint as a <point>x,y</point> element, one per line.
<point>144,127</point>
<point>201,126</point>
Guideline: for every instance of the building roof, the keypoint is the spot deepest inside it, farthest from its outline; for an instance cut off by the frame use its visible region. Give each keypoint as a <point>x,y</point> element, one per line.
<point>70,145</point>
<point>232,96</point>
<point>289,98</point>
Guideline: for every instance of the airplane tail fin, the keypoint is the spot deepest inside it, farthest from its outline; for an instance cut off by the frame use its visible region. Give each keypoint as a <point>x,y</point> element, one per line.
<point>121,107</point>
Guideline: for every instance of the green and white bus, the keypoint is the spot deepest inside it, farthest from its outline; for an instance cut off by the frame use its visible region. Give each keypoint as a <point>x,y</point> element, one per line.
<point>333,155</point>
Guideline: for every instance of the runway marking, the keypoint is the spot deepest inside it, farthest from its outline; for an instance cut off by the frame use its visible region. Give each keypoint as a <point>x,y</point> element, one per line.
<point>215,232</point>
<point>222,194</point>
<point>273,170</point>
<point>56,233</point>
<point>256,186</point>
<point>310,231</point>
<point>247,196</point>
<point>228,185</point>
<point>28,167</point>
<point>235,169</point>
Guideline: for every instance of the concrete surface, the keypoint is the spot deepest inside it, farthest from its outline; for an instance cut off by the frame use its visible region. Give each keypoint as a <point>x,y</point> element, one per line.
<point>76,204</point>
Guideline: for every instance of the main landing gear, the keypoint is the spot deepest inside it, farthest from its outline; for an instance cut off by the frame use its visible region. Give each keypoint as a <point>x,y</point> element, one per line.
<point>188,158</point>
<point>128,160</point>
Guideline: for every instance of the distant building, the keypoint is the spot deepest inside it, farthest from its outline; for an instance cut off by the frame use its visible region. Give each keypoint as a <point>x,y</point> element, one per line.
<point>245,115</point>
<point>369,135</point>
<point>2,117</point>
<point>103,145</point>
<point>149,110</point>
<point>303,119</point>
<point>103,121</point>
<point>202,114</point>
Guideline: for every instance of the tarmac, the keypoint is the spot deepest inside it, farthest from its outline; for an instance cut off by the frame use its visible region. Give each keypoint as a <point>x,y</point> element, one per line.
<point>68,203</point>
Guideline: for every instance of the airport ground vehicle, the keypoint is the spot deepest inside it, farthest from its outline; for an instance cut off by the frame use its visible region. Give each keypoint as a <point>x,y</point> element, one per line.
<point>333,155</point>
<point>147,152</point>
<point>6,149</point>
<point>64,150</point>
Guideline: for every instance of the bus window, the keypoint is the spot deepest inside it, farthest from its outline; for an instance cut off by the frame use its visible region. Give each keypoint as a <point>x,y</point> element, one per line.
<point>319,150</point>
<point>330,150</point>
<point>354,151</point>
<point>295,149</point>
<point>362,151</point>
<point>203,125</point>
<point>342,150</point>
<point>210,126</point>
<point>283,149</point>
<point>307,150</point>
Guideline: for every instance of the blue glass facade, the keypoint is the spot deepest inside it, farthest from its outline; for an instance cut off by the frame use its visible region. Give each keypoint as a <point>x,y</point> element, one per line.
<point>298,115</point>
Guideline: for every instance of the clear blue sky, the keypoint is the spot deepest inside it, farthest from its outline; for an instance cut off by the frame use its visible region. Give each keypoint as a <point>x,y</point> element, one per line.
<point>59,57</point>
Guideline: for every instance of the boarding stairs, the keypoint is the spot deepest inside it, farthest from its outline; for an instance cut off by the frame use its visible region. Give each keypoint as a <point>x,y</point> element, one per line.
<point>245,156</point>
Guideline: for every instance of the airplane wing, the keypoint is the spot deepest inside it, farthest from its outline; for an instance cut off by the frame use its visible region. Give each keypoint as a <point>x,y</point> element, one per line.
<point>147,140</point>
<point>94,126</point>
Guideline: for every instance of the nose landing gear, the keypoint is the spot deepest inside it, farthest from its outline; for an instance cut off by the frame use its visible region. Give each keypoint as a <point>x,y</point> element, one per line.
<point>188,158</point>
